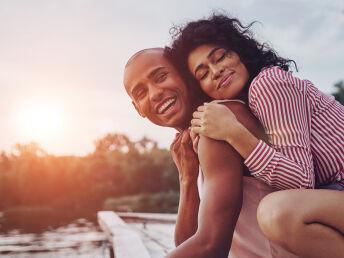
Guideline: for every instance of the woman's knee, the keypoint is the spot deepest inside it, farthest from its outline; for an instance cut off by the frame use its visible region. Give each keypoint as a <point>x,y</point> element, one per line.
<point>275,215</point>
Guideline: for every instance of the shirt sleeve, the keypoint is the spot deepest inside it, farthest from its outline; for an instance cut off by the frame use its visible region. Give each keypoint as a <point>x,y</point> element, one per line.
<point>278,100</point>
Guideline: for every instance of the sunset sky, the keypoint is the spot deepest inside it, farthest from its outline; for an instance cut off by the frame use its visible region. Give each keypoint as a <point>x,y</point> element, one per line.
<point>61,61</point>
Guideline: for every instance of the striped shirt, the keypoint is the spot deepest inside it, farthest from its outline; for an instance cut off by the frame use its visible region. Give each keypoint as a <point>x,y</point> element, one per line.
<point>305,128</point>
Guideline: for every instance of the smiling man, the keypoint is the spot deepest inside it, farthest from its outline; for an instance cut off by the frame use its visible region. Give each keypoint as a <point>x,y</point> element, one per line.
<point>157,90</point>
<point>204,225</point>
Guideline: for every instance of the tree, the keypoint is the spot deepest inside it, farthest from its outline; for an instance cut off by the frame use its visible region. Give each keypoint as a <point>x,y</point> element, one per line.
<point>30,149</point>
<point>146,144</point>
<point>339,94</point>
<point>113,142</point>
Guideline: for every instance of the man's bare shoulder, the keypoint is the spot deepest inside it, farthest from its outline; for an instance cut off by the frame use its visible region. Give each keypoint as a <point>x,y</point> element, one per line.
<point>215,156</point>
<point>238,108</point>
<point>244,115</point>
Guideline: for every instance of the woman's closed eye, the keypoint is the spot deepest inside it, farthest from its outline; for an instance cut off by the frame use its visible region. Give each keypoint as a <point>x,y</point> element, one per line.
<point>221,58</point>
<point>203,76</point>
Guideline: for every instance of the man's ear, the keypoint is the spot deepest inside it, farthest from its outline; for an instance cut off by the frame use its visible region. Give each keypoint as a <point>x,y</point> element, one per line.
<point>138,109</point>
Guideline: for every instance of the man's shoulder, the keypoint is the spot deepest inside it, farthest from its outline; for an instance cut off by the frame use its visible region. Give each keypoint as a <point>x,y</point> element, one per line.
<point>213,154</point>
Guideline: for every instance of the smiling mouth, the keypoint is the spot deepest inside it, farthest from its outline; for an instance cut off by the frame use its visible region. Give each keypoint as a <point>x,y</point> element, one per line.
<point>225,80</point>
<point>166,106</point>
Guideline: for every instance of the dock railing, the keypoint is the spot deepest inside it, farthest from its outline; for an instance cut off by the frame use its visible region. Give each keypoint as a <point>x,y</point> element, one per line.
<point>125,241</point>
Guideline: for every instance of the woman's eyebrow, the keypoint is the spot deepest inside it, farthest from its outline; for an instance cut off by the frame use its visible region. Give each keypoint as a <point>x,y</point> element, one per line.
<point>198,67</point>
<point>213,51</point>
<point>208,56</point>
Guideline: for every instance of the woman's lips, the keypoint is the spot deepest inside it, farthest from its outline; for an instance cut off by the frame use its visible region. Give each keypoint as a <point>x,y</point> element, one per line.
<point>225,80</point>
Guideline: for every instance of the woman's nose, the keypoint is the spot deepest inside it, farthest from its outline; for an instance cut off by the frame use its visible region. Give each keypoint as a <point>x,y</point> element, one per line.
<point>217,72</point>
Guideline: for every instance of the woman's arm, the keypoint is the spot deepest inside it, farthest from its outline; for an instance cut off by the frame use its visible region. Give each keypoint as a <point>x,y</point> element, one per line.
<point>280,102</point>
<point>229,121</point>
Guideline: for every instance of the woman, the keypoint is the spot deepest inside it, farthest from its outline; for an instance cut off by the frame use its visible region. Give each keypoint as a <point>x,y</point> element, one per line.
<point>305,129</point>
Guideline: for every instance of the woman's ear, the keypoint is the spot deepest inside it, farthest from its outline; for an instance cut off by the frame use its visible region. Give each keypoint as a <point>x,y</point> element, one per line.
<point>138,109</point>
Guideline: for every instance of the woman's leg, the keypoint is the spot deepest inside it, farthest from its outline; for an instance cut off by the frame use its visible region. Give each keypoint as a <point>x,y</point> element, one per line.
<point>309,223</point>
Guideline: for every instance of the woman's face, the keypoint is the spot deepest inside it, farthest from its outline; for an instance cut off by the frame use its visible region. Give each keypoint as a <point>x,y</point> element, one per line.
<point>220,72</point>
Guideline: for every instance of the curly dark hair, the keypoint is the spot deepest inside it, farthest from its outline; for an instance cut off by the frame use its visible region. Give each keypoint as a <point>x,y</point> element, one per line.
<point>225,32</point>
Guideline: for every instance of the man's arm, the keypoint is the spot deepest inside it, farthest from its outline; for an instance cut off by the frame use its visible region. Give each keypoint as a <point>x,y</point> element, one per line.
<point>186,224</point>
<point>221,203</point>
<point>188,166</point>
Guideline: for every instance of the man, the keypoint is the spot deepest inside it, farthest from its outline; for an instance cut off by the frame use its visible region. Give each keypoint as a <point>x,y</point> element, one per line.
<point>204,227</point>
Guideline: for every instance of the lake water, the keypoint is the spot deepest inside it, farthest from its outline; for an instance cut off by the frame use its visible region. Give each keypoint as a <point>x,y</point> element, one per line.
<point>81,238</point>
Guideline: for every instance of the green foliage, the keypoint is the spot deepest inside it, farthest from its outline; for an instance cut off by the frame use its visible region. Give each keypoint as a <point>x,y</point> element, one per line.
<point>157,202</point>
<point>339,94</point>
<point>29,177</point>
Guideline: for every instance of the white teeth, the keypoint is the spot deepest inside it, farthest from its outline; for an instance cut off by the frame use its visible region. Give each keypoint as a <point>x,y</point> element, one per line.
<point>165,105</point>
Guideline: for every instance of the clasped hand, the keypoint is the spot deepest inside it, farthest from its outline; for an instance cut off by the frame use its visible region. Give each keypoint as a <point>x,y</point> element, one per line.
<point>215,121</point>
<point>184,157</point>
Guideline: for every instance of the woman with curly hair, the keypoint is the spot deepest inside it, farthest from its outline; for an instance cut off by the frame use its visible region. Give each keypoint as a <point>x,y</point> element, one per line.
<point>305,128</point>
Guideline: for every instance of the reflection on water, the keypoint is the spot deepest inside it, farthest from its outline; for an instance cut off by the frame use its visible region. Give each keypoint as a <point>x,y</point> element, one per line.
<point>81,238</point>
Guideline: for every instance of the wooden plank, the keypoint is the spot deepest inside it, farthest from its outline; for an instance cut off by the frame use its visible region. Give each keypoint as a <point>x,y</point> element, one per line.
<point>125,241</point>
<point>149,217</point>
<point>157,237</point>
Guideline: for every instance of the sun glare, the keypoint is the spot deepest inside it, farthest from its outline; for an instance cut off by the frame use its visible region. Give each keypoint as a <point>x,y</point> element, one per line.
<point>39,123</point>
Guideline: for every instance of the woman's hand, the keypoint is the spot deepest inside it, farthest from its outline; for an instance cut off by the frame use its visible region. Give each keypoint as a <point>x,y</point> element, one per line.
<point>215,121</point>
<point>184,157</point>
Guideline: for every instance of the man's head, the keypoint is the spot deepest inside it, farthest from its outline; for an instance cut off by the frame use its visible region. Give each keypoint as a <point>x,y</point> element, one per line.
<point>157,90</point>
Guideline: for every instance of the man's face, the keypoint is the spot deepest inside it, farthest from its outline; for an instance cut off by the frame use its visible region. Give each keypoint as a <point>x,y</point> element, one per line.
<point>156,89</point>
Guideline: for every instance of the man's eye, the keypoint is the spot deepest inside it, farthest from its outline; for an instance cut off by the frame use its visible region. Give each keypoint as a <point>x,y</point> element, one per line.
<point>161,77</point>
<point>140,93</point>
<point>203,76</point>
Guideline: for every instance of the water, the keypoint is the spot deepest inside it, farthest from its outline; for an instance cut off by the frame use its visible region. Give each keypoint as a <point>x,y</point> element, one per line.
<point>81,238</point>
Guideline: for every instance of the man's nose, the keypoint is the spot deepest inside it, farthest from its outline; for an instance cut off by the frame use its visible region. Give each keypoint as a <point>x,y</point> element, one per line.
<point>216,72</point>
<point>155,92</point>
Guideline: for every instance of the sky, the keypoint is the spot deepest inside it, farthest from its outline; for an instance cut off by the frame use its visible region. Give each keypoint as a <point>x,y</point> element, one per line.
<point>62,61</point>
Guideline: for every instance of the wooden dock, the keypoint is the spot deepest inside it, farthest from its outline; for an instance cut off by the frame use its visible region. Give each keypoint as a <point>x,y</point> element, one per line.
<point>139,235</point>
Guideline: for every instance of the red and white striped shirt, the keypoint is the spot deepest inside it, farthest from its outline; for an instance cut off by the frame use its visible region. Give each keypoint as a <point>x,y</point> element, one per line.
<point>305,129</point>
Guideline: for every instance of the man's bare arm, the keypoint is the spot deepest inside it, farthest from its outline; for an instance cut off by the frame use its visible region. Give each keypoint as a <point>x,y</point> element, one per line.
<point>188,166</point>
<point>247,119</point>
<point>188,208</point>
<point>221,203</point>
<point>186,225</point>
<point>213,237</point>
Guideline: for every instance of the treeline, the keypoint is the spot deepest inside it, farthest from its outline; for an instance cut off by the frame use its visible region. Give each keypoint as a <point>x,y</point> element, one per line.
<point>339,93</point>
<point>32,180</point>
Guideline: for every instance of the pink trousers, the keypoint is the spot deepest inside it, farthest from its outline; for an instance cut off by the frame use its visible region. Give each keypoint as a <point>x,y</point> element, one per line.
<point>248,239</point>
